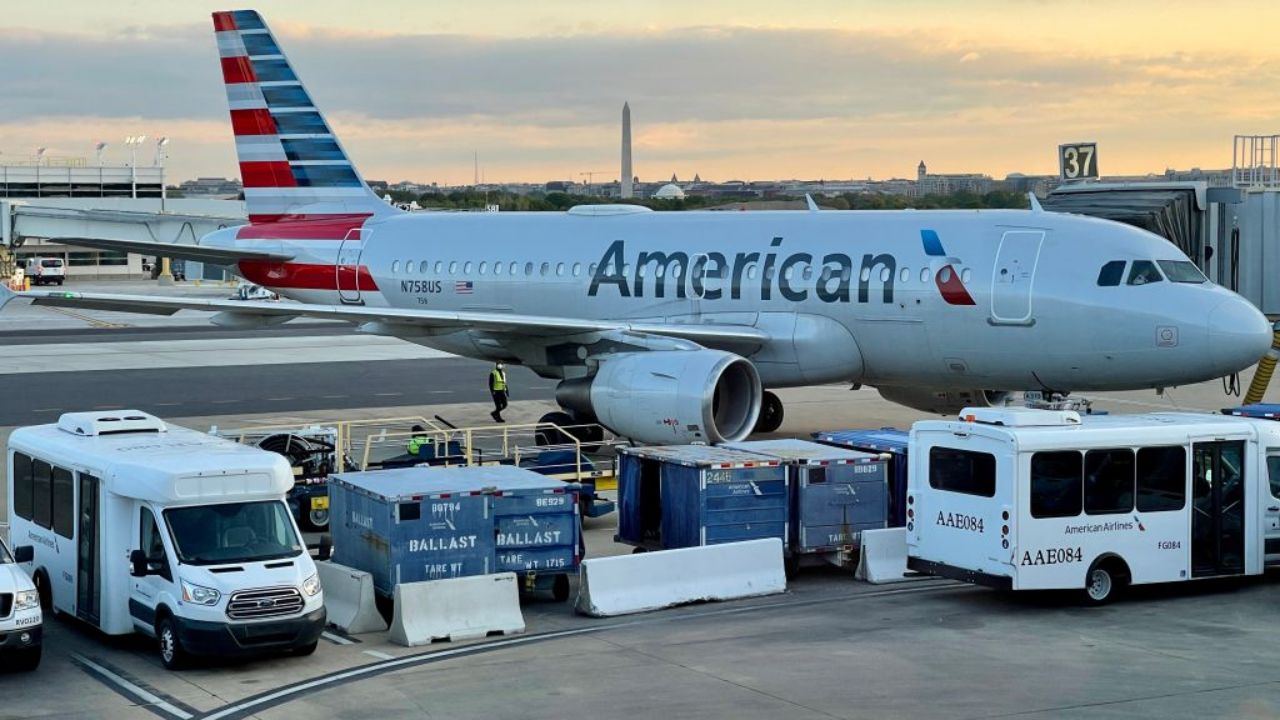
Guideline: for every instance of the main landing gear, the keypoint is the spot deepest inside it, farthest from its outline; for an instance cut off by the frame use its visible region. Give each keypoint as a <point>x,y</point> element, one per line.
<point>770,413</point>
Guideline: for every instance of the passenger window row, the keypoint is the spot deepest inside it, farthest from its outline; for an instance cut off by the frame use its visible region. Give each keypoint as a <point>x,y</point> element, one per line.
<point>440,267</point>
<point>1108,482</point>
<point>44,494</point>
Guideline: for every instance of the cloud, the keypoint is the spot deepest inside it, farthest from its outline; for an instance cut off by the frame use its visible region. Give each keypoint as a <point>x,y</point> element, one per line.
<point>748,101</point>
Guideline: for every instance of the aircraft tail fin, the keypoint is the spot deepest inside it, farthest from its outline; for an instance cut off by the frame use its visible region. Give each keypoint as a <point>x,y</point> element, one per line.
<point>292,165</point>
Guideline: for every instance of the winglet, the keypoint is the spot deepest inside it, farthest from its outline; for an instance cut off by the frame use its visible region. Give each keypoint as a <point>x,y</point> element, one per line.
<point>1035,203</point>
<point>808,199</point>
<point>6,295</point>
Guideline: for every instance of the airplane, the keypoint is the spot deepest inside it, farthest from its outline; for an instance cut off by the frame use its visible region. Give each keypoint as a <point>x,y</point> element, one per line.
<point>676,327</point>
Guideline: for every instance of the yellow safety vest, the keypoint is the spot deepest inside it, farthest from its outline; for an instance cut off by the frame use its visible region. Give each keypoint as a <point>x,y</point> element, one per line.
<point>499,380</point>
<point>416,442</point>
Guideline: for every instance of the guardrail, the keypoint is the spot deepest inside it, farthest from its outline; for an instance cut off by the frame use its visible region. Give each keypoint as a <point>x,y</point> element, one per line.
<point>369,443</point>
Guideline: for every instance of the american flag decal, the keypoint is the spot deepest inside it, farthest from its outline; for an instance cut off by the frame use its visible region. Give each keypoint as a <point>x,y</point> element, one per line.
<point>463,287</point>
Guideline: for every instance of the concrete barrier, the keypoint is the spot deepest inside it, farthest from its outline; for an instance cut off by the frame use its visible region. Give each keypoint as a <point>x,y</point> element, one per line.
<point>456,609</point>
<point>348,599</point>
<point>654,580</point>
<point>883,557</point>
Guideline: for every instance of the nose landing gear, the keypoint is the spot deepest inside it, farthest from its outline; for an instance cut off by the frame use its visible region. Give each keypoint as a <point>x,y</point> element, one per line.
<point>771,413</point>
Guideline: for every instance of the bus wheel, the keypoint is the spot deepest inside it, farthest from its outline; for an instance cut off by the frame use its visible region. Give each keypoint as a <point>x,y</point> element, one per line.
<point>41,581</point>
<point>1103,581</point>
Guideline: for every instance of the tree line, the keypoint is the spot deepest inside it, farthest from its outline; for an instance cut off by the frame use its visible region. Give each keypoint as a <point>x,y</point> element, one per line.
<point>470,199</point>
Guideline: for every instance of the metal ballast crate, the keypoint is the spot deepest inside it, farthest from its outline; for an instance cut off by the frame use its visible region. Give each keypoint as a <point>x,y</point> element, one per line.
<point>678,496</point>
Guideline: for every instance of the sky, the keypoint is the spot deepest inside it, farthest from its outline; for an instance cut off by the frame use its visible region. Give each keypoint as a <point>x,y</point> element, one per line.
<point>833,89</point>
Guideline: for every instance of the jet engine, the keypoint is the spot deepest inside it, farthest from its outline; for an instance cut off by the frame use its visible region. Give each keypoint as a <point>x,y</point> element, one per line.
<point>669,396</point>
<point>943,401</point>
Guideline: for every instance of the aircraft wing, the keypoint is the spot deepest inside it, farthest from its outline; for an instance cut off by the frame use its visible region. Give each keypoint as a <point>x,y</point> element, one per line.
<point>196,253</point>
<point>265,312</point>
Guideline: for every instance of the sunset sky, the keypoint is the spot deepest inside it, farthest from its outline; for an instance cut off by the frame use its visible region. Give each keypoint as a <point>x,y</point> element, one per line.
<point>729,90</point>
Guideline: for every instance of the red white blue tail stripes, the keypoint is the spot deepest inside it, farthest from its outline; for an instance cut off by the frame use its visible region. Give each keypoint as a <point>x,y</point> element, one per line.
<point>298,181</point>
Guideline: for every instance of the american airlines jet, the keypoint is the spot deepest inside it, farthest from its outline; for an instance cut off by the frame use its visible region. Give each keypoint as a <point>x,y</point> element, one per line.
<point>669,327</point>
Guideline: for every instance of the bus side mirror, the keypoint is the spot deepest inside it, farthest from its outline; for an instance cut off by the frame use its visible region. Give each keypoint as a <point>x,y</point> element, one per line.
<point>138,560</point>
<point>24,554</point>
<point>325,551</point>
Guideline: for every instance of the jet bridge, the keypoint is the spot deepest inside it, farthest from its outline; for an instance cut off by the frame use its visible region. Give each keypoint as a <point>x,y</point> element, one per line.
<point>181,221</point>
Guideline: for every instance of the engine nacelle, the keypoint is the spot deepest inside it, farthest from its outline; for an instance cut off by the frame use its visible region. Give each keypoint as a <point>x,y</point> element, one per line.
<point>943,401</point>
<point>670,396</point>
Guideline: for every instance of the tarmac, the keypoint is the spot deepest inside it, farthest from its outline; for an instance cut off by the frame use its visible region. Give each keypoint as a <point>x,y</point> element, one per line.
<point>829,648</point>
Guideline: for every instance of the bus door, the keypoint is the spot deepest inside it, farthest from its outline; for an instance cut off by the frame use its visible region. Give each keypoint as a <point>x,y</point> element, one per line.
<point>1217,508</point>
<point>1272,498</point>
<point>88,578</point>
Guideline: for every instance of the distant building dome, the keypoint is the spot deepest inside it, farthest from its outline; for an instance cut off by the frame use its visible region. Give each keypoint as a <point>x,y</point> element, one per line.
<point>670,191</point>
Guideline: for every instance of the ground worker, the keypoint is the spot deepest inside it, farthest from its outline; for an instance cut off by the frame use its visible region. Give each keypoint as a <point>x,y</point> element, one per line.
<point>418,440</point>
<point>498,388</point>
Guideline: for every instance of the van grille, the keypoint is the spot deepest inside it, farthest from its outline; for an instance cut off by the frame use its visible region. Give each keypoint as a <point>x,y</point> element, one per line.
<point>6,605</point>
<point>272,602</point>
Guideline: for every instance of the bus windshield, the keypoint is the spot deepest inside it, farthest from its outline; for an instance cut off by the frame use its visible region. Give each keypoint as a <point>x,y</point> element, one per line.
<point>234,532</point>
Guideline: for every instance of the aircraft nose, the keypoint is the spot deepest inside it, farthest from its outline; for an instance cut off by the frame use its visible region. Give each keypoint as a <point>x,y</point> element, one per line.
<point>1239,335</point>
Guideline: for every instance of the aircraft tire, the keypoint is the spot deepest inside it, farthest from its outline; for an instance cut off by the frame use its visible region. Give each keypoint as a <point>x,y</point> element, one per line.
<point>771,413</point>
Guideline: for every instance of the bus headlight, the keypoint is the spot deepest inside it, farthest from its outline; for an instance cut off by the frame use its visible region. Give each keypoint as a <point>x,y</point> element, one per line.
<point>199,594</point>
<point>26,600</point>
<point>311,585</point>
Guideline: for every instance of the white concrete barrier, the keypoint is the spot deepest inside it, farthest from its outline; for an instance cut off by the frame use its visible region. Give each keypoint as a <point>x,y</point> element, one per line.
<point>348,599</point>
<point>456,609</point>
<point>654,580</point>
<point>884,556</point>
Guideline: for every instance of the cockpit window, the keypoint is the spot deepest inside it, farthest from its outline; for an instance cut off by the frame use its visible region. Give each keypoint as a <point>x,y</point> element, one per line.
<point>1144,272</point>
<point>1182,271</point>
<point>1111,274</point>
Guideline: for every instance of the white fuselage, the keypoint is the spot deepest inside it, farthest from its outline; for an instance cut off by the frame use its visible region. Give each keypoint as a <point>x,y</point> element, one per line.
<point>1035,315</point>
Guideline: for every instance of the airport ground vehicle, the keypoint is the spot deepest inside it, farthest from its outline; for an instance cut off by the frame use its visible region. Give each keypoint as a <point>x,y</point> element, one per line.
<point>21,621</point>
<point>313,453</point>
<point>1032,499</point>
<point>215,564</point>
<point>46,270</point>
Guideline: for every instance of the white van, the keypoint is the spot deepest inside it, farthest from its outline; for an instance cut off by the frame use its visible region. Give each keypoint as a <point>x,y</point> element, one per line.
<point>46,270</point>
<point>20,616</point>
<point>1034,499</point>
<point>139,525</point>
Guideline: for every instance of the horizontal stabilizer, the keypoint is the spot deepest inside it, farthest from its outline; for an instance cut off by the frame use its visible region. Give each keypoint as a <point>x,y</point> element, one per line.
<point>195,253</point>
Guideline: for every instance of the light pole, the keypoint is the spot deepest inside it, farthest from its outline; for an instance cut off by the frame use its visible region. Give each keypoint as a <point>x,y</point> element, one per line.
<point>39,162</point>
<point>133,141</point>
<point>160,161</point>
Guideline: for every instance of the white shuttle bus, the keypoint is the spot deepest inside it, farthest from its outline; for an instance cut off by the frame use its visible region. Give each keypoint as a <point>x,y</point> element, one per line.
<point>1037,500</point>
<point>142,526</point>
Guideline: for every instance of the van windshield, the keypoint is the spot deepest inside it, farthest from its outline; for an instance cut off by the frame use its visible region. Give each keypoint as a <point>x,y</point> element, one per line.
<point>5,557</point>
<point>234,532</point>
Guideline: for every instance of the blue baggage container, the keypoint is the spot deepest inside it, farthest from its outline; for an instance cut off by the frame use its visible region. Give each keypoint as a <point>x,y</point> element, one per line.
<point>688,495</point>
<point>425,523</point>
<point>836,493</point>
<point>889,440</point>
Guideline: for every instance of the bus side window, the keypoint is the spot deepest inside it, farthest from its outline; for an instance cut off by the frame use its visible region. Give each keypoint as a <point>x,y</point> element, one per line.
<point>64,511</point>
<point>23,487</point>
<point>1162,478</point>
<point>42,494</point>
<point>151,543</point>
<point>1108,481</point>
<point>1273,472</point>
<point>1056,484</point>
